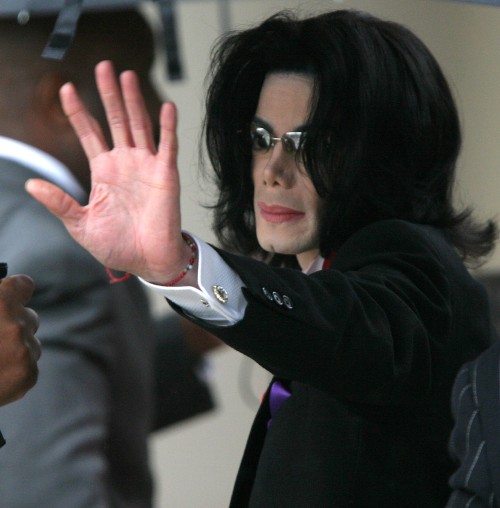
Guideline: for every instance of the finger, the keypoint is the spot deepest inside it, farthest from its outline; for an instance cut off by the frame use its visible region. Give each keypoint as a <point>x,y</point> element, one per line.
<point>29,374</point>
<point>17,288</point>
<point>58,202</point>
<point>32,320</point>
<point>113,104</point>
<point>167,148</point>
<point>36,348</point>
<point>31,323</point>
<point>139,120</point>
<point>32,342</point>
<point>86,127</point>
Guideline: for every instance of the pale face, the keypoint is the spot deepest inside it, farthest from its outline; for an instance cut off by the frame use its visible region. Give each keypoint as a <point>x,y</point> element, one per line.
<point>286,203</point>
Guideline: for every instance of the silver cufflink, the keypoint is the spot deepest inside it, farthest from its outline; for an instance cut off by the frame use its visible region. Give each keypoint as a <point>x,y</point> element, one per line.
<point>220,293</point>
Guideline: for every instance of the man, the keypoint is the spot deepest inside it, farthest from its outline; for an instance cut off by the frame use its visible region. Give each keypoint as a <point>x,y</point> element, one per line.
<point>80,439</point>
<point>334,140</point>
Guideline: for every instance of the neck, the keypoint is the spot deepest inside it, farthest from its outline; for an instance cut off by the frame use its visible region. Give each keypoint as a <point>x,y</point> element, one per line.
<point>305,259</point>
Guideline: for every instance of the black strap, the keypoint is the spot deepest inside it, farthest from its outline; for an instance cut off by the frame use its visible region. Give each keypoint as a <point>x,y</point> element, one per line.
<point>64,30</point>
<point>167,11</point>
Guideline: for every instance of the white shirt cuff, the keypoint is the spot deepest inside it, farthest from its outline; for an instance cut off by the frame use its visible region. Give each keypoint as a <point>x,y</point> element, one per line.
<point>219,298</point>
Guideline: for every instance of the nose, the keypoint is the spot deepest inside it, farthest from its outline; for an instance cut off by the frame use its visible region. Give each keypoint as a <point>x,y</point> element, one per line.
<point>279,168</point>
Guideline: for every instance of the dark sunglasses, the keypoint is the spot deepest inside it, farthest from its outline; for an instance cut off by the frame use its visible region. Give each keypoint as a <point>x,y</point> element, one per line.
<point>262,141</point>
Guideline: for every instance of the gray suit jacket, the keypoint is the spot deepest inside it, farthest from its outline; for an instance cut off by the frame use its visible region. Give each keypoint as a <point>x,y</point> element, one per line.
<point>79,437</point>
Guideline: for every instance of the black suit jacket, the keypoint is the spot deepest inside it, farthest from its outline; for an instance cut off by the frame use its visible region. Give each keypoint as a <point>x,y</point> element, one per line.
<point>369,349</point>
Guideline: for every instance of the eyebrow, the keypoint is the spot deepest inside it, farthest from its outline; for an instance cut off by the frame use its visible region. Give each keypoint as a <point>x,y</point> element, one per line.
<point>262,123</point>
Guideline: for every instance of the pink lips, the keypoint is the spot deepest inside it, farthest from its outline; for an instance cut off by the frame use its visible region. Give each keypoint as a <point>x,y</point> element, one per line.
<point>278,214</point>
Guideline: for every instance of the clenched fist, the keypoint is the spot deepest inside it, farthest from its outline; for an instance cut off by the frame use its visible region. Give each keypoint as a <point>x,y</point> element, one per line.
<point>19,348</point>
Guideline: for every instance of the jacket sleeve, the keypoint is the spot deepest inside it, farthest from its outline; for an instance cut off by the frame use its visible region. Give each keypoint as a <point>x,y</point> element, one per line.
<point>471,482</point>
<point>367,329</point>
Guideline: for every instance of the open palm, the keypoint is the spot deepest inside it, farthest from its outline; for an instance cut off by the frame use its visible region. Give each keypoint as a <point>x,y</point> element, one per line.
<point>132,220</point>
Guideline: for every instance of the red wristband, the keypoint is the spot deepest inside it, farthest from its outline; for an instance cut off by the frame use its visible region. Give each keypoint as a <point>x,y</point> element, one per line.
<point>192,259</point>
<point>113,279</point>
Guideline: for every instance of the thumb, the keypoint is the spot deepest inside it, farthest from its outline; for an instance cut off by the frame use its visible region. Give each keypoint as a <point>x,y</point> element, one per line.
<point>58,202</point>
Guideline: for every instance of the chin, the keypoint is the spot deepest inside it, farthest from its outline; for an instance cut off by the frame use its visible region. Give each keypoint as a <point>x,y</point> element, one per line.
<point>274,247</point>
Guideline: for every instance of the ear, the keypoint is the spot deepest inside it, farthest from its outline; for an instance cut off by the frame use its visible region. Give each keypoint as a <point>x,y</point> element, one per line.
<point>46,105</point>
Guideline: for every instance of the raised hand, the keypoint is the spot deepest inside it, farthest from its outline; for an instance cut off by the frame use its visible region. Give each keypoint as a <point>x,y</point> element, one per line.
<point>132,221</point>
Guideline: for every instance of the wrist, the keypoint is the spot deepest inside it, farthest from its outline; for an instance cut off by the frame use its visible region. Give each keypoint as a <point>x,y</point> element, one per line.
<point>192,251</point>
<point>186,271</point>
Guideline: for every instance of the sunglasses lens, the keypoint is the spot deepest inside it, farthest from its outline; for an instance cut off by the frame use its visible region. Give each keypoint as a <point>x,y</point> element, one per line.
<point>292,142</point>
<point>288,144</point>
<point>261,139</point>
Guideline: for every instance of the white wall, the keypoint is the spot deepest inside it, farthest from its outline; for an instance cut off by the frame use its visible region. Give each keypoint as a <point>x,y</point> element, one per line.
<point>195,463</point>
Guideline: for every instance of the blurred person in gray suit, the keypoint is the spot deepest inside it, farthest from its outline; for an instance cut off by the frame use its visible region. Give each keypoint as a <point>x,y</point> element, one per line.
<point>109,375</point>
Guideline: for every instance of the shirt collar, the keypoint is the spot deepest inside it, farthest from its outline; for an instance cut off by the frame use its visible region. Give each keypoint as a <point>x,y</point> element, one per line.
<point>315,266</point>
<point>43,164</point>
